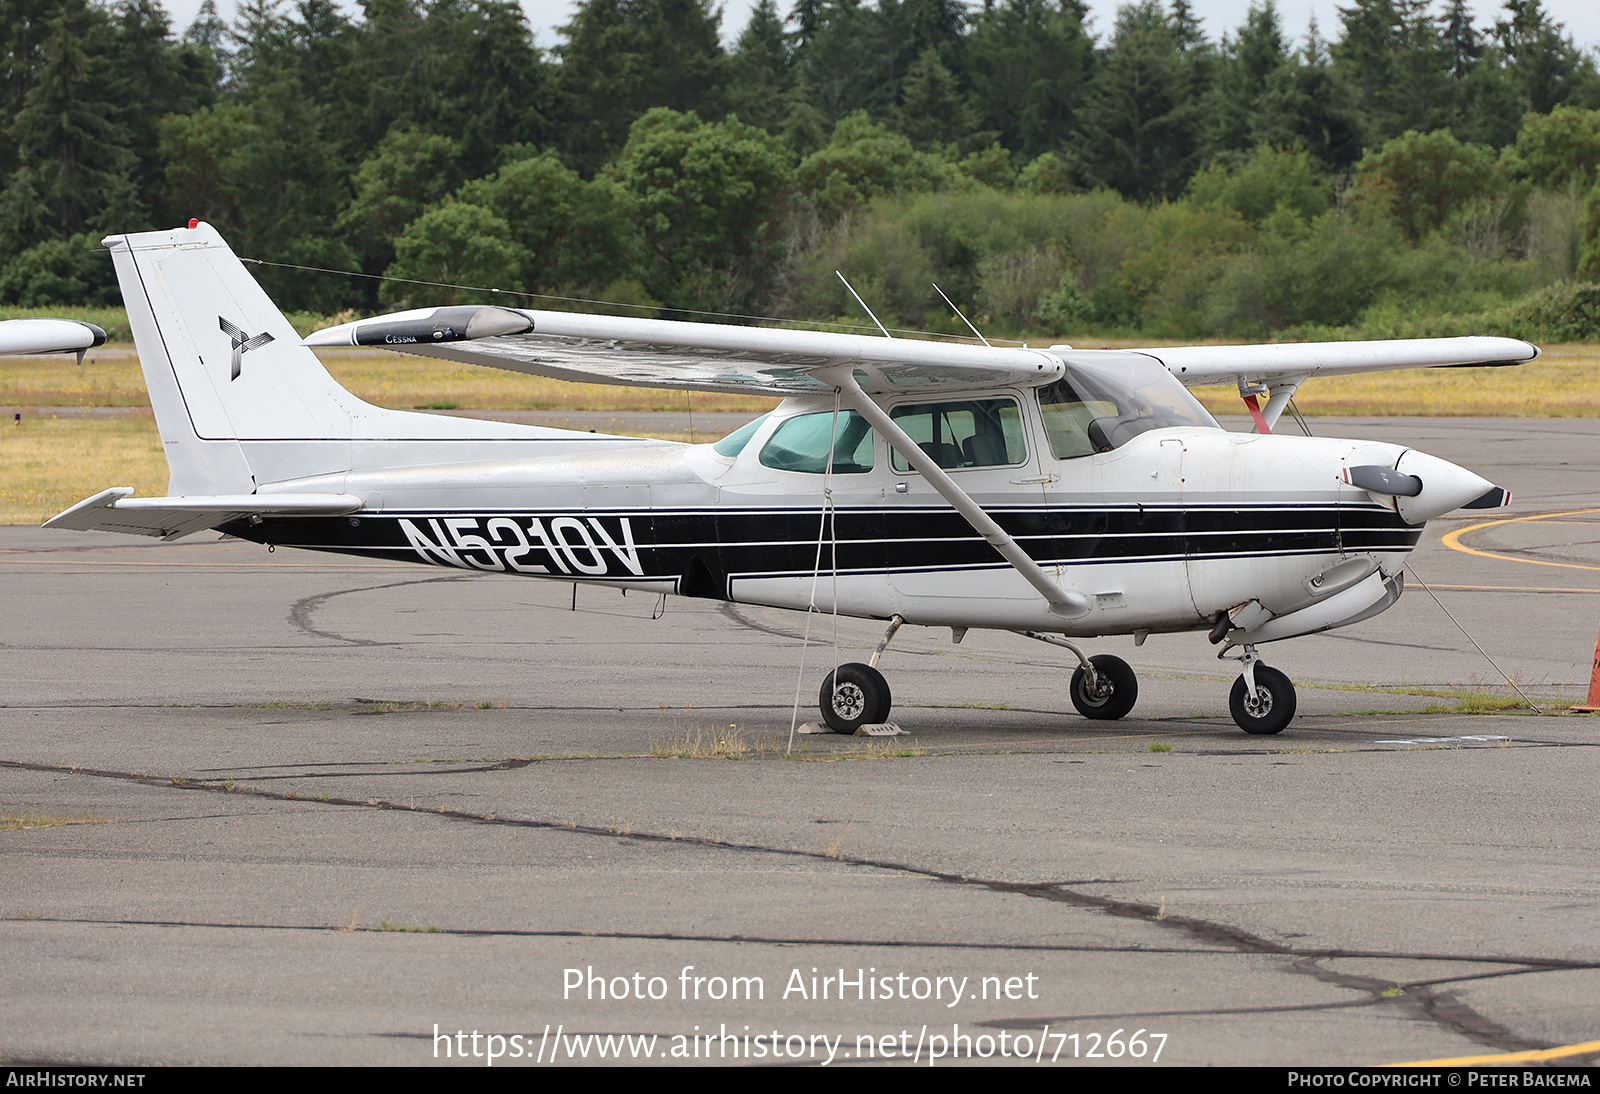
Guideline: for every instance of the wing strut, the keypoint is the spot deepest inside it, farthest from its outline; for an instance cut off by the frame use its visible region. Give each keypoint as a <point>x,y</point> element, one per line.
<point>1062,603</point>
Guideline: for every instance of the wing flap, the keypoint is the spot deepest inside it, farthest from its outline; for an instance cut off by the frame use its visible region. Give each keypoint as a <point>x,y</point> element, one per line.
<point>114,510</point>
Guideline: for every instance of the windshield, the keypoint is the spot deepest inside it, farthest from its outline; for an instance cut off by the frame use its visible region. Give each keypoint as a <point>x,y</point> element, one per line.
<point>1103,405</point>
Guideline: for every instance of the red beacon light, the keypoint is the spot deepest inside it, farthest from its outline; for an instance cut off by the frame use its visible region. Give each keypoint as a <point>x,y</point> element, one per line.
<point>194,223</point>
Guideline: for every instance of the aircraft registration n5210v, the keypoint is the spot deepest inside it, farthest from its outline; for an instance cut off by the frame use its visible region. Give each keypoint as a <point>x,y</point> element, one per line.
<point>1057,493</point>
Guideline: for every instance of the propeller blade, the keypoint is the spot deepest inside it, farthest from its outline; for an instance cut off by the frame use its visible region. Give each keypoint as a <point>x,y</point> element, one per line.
<point>1383,480</point>
<point>1494,498</point>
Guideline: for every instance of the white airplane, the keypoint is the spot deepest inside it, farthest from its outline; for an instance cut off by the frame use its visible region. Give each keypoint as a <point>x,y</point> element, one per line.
<point>1061,494</point>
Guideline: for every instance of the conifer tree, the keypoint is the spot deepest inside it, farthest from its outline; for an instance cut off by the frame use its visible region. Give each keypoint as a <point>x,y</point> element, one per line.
<point>759,76</point>
<point>623,57</point>
<point>1246,68</point>
<point>1029,63</point>
<point>1141,123</point>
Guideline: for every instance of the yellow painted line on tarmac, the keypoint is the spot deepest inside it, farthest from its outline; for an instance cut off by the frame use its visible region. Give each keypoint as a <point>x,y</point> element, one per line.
<point>1452,540</point>
<point>1508,1057</point>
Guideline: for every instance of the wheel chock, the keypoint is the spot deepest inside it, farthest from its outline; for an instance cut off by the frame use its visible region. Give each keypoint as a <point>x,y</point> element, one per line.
<point>871,729</point>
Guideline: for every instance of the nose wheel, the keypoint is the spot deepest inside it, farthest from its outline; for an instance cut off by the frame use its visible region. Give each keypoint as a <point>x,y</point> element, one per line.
<point>1263,700</point>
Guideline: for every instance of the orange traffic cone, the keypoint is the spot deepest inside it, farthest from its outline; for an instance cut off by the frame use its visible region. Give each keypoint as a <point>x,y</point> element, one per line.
<point>1594,686</point>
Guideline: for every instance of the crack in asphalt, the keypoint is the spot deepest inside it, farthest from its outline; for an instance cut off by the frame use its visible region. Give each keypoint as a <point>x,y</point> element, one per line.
<point>1418,999</point>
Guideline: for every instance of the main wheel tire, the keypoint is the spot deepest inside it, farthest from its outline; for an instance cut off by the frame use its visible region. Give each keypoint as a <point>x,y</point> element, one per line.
<point>852,696</point>
<point>1118,691</point>
<point>1272,708</point>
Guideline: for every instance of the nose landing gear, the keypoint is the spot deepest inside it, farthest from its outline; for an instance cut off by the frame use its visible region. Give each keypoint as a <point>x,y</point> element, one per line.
<point>1263,699</point>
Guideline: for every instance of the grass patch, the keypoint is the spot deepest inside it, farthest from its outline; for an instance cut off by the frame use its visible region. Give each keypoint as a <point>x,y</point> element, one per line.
<point>387,926</point>
<point>404,706</point>
<point>47,465</point>
<point>1158,746</point>
<point>11,822</point>
<point>1477,702</point>
<point>700,745</point>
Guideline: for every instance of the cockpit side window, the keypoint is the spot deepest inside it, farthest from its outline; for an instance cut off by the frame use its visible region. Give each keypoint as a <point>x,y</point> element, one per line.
<point>1067,418</point>
<point>969,433</point>
<point>801,444</point>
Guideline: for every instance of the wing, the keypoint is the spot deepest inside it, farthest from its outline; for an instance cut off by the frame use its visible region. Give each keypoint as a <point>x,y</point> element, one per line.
<point>48,336</point>
<point>610,349</point>
<point>1295,362</point>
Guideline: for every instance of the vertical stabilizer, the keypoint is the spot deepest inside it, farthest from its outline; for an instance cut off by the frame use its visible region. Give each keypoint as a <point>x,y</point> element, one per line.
<point>222,364</point>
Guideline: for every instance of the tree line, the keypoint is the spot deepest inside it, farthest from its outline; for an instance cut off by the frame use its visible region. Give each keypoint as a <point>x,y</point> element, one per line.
<point>1408,165</point>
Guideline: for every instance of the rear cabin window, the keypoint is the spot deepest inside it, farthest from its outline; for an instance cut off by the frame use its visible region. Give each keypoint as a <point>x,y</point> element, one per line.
<point>972,433</point>
<point>801,444</point>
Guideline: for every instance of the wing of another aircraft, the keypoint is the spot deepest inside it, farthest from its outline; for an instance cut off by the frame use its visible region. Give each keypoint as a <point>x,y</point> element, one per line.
<point>609,349</point>
<point>612,349</point>
<point>48,336</point>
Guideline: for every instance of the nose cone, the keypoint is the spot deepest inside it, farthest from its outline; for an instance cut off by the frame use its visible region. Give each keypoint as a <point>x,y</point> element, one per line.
<point>1445,487</point>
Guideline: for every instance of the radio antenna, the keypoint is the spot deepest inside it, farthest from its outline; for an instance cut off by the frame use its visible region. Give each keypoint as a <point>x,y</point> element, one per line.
<point>957,310</point>
<point>863,304</point>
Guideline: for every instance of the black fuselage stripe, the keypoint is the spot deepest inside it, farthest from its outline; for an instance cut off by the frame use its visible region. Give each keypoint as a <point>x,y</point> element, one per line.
<point>711,546</point>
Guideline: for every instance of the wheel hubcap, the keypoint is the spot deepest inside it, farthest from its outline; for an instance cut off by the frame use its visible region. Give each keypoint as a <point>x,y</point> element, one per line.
<point>1258,705</point>
<point>848,701</point>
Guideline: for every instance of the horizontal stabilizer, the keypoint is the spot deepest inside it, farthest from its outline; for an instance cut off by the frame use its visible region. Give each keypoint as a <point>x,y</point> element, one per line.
<point>114,510</point>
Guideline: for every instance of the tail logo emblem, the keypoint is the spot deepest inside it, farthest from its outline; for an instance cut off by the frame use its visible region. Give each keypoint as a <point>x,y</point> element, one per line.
<point>242,343</point>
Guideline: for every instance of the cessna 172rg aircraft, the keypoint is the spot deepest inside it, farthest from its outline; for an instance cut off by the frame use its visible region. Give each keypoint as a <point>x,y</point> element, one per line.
<point>1058,493</point>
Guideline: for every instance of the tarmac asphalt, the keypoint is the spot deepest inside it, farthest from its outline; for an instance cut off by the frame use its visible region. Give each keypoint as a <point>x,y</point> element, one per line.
<point>321,810</point>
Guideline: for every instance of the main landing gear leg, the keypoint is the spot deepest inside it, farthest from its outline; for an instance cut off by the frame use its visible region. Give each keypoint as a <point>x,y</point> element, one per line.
<point>1263,700</point>
<point>1104,687</point>
<point>855,695</point>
